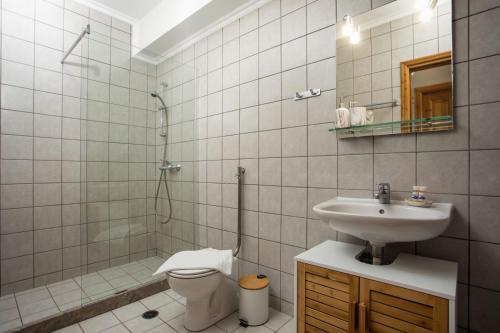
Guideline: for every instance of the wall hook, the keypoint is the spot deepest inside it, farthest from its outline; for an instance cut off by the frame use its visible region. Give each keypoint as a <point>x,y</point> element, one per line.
<point>306,94</point>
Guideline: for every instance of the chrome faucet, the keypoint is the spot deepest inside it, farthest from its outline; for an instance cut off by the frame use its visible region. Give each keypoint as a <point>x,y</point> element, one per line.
<point>383,193</point>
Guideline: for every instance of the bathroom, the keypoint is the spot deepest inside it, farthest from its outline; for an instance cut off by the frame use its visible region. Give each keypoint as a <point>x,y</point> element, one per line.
<point>132,132</point>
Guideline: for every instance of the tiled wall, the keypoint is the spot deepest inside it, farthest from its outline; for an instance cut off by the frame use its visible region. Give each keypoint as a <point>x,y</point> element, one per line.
<point>369,72</point>
<point>248,73</point>
<point>77,144</point>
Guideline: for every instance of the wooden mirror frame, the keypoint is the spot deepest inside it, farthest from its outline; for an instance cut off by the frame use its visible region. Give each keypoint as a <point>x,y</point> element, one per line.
<point>407,67</point>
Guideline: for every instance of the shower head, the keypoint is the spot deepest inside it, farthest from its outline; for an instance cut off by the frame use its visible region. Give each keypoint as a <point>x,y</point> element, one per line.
<point>156,95</point>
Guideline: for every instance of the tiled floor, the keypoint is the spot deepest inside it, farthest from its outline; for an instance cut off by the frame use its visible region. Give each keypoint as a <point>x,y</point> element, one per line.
<point>27,306</point>
<point>170,319</point>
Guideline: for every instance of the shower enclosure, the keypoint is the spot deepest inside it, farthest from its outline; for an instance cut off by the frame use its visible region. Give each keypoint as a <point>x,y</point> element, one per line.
<point>137,208</point>
<point>78,220</point>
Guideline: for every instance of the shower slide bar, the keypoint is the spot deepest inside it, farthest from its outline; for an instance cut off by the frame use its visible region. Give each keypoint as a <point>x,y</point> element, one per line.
<point>85,31</point>
<point>239,174</point>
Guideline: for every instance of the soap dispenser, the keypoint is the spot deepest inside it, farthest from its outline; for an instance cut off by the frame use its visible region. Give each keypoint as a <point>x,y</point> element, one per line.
<point>342,115</point>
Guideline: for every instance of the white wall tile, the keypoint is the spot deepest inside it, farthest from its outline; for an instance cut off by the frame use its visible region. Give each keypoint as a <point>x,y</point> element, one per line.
<point>249,69</point>
<point>18,123</point>
<point>17,74</point>
<point>270,116</point>
<point>320,15</point>
<point>294,53</point>
<point>270,89</point>
<point>270,62</point>
<point>321,44</point>
<point>269,35</point>
<point>15,98</point>
<point>18,50</point>
<point>249,22</point>
<point>18,26</point>
<point>49,13</point>
<point>293,25</point>
<point>269,12</point>
<point>270,143</point>
<point>25,8</point>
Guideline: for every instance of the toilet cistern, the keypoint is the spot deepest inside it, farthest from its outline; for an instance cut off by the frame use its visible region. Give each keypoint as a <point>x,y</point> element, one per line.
<point>383,193</point>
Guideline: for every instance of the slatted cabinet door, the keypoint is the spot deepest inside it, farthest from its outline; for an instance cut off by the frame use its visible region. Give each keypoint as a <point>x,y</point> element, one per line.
<point>384,308</point>
<point>326,300</point>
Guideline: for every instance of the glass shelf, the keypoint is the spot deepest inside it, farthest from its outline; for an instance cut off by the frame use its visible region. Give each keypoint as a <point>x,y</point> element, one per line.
<point>397,127</point>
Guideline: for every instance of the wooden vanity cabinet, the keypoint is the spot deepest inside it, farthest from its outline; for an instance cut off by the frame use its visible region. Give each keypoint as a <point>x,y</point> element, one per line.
<point>336,302</point>
<point>326,300</point>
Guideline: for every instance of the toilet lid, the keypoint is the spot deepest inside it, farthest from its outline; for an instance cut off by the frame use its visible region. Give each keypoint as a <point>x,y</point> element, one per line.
<point>191,273</point>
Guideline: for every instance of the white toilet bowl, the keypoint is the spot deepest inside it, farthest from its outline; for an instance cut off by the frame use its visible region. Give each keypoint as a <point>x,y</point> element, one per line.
<point>209,296</point>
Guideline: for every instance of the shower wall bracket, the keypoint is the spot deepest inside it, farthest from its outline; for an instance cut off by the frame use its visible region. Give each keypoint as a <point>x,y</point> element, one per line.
<point>85,31</point>
<point>307,94</point>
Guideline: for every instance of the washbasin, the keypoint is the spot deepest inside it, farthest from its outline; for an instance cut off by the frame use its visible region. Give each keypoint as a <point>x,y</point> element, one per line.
<point>384,223</point>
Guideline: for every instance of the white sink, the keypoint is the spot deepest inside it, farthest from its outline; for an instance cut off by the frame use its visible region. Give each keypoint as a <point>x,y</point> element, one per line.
<point>384,223</point>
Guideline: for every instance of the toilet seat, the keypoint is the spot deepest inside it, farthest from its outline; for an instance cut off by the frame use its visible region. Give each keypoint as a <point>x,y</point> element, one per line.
<point>191,273</point>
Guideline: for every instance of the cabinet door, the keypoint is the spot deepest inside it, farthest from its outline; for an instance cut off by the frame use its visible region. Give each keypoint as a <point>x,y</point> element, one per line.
<point>326,300</point>
<point>384,308</point>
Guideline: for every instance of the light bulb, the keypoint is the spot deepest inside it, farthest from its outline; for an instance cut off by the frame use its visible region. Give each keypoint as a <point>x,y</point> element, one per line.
<point>347,26</point>
<point>355,35</point>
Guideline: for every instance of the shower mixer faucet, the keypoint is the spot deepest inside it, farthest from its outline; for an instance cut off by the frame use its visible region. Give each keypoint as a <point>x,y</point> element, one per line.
<point>166,165</point>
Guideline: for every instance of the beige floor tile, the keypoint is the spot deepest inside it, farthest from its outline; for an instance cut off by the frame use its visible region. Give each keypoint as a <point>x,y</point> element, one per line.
<point>156,301</point>
<point>277,319</point>
<point>170,311</point>
<point>99,323</point>
<point>139,324</point>
<point>130,311</point>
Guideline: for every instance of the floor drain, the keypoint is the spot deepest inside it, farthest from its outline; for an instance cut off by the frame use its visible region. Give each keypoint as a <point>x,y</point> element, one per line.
<point>150,314</point>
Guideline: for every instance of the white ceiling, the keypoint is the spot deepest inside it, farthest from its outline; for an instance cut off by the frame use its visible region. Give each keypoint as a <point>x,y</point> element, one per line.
<point>135,9</point>
<point>163,27</point>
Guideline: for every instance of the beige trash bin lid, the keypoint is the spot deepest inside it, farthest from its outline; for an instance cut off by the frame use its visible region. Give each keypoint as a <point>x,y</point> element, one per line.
<point>254,282</point>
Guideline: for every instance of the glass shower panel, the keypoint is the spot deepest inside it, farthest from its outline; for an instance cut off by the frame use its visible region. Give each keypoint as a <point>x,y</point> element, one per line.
<point>123,239</point>
<point>177,85</point>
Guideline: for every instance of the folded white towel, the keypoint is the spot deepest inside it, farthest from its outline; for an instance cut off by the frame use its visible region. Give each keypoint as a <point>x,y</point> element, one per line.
<point>220,260</point>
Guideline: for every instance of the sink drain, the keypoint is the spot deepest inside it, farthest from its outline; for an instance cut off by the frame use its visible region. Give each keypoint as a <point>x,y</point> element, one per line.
<point>150,314</point>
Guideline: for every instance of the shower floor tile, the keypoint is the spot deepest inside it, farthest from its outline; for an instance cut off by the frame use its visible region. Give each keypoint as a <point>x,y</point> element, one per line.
<point>128,319</point>
<point>34,304</point>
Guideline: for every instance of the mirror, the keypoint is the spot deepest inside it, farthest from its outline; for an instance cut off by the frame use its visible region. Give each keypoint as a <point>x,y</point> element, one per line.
<point>394,67</point>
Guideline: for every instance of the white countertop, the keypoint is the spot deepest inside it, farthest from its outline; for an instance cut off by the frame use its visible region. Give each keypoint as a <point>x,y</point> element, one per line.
<point>428,275</point>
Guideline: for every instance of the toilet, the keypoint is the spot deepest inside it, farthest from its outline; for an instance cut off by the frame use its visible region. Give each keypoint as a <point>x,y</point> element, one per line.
<point>209,295</point>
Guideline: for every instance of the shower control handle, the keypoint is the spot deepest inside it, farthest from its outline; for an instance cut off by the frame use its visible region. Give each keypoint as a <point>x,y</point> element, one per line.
<point>166,165</point>
<point>176,167</point>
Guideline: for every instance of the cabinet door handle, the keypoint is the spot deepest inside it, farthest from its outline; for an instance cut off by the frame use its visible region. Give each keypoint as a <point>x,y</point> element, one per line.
<point>362,317</point>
